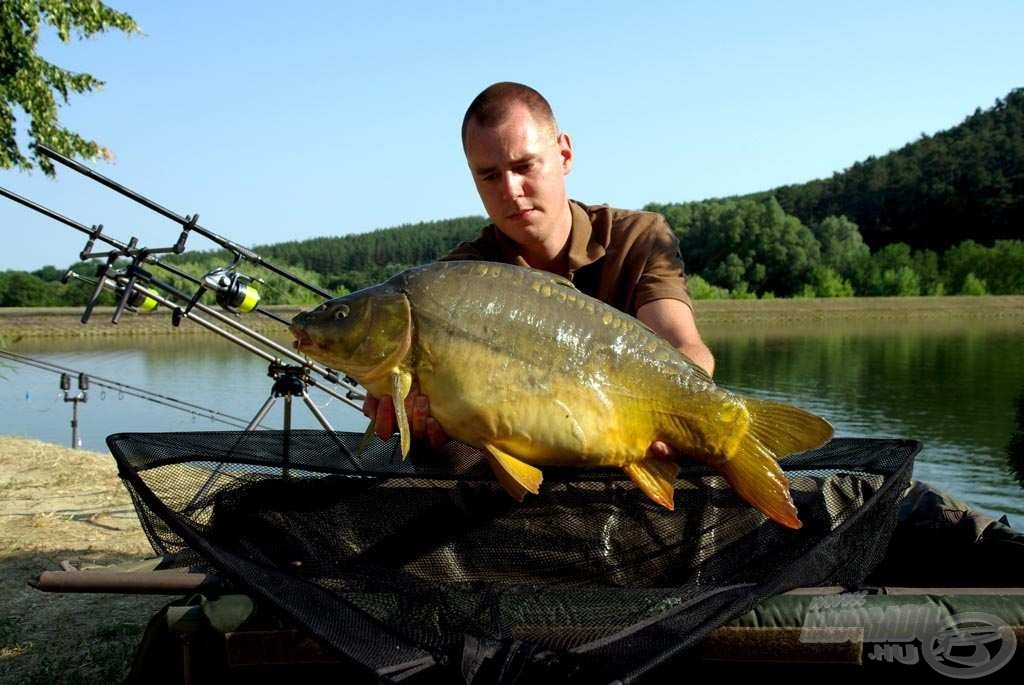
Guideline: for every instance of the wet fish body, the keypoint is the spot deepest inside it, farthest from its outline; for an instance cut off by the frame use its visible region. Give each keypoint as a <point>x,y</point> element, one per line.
<point>520,364</point>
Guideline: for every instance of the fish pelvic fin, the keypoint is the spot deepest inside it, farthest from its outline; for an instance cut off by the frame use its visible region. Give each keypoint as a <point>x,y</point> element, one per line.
<point>401,382</point>
<point>783,429</point>
<point>656,478</point>
<point>515,475</point>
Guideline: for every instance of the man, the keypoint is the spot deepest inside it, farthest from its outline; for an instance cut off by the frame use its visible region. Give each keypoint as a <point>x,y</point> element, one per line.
<point>519,161</point>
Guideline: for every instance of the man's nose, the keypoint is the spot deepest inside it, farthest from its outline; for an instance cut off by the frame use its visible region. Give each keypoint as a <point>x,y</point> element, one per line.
<point>512,185</point>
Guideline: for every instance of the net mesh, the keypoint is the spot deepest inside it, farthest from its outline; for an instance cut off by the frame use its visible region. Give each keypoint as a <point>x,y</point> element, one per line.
<point>427,563</point>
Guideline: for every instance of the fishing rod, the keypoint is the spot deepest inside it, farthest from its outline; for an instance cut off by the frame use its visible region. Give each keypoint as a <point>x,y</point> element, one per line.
<point>289,380</point>
<point>125,388</point>
<point>144,293</point>
<point>228,284</point>
<point>188,223</point>
<point>136,289</point>
<point>96,233</point>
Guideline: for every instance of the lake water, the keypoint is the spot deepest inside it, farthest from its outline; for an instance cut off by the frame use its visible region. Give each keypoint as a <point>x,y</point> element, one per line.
<point>951,385</point>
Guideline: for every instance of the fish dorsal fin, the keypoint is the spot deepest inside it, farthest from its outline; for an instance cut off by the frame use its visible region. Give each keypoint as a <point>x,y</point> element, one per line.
<point>401,382</point>
<point>563,281</point>
<point>515,475</point>
<point>656,478</point>
<point>698,370</point>
<point>552,278</point>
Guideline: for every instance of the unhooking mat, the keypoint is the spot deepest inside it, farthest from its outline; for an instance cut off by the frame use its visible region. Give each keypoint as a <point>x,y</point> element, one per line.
<point>405,566</point>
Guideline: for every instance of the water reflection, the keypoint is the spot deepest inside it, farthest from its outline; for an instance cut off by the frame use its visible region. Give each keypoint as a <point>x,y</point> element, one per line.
<point>948,384</point>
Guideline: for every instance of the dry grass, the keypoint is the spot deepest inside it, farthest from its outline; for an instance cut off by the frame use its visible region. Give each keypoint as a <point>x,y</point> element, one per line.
<point>61,504</point>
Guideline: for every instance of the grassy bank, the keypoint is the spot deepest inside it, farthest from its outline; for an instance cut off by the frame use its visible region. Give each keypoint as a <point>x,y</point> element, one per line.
<point>34,322</point>
<point>60,504</point>
<point>65,322</point>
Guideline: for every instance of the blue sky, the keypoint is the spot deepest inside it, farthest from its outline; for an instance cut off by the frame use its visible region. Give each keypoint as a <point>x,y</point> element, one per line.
<point>332,118</point>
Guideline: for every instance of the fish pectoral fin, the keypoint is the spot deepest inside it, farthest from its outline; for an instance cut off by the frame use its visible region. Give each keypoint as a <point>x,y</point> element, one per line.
<point>656,478</point>
<point>401,382</point>
<point>515,475</point>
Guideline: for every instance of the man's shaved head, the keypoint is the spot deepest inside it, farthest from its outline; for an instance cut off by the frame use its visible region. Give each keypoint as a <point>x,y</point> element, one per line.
<point>490,107</point>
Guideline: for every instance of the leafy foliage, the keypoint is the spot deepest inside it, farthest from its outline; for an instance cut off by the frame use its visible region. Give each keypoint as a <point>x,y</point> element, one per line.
<point>39,87</point>
<point>746,241</point>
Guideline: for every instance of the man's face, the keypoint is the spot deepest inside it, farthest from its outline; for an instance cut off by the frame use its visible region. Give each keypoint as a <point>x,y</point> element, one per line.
<point>519,168</point>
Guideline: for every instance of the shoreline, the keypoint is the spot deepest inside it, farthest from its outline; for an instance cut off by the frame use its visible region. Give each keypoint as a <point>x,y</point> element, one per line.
<point>60,504</point>
<point>64,322</point>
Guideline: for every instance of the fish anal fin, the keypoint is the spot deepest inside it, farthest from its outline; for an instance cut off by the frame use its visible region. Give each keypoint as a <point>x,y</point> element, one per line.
<point>515,475</point>
<point>656,478</point>
<point>401,382</point>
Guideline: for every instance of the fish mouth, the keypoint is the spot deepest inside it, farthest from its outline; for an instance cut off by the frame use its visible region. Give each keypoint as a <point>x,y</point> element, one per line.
<point>302,338</point>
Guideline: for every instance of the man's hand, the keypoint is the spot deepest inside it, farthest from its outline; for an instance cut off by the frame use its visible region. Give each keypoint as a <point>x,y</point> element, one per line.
<point>662,450</point>
<point>417,407</point>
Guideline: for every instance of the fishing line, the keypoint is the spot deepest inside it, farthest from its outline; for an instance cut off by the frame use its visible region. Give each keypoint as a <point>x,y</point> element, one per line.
<point>126,389</point>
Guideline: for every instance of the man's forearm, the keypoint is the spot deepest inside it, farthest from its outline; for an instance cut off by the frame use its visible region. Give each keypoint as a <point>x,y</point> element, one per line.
<point>700,355</point>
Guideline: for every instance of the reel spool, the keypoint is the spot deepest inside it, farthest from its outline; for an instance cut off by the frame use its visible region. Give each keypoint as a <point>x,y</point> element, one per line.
<point>140,302</point>
<point>232,290</point>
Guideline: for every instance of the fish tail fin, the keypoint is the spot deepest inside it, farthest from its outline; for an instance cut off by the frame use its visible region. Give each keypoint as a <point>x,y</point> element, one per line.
<point>784,429</point>
<point>754,474</point>
<point>775,431</point>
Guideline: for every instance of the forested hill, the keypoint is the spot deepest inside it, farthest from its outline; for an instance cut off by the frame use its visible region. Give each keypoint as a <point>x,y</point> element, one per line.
<point>963,183</point>
<point>355,261</point>
<point>944,214</point>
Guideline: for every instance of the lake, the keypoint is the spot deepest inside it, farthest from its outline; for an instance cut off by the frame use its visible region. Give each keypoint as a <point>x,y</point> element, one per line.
<point>949,384</point>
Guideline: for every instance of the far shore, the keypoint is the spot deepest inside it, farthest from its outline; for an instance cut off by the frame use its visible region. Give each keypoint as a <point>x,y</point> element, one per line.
<point>65,322</point>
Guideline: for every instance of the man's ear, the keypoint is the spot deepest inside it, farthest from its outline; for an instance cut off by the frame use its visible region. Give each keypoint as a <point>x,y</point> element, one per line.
<point>565,150</point>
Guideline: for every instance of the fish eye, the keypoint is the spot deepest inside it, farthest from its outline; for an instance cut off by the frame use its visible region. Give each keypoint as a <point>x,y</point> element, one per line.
<point>341,312</point>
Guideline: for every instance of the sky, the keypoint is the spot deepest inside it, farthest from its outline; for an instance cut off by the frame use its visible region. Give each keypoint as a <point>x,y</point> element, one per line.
<point>333,118</point>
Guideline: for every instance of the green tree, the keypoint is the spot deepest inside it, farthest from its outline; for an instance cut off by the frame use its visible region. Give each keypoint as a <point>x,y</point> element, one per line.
<point>33,85</point>
<point>745,241</point>
<point>20,289</point>
<point>825,282</point>
<point>702,290</point>
<point>973,286</point>
<point>902,281</point>
<point>842,247</point>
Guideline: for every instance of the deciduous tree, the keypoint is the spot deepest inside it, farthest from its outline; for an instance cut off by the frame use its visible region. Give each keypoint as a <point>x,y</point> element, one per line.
<point>36,87</point>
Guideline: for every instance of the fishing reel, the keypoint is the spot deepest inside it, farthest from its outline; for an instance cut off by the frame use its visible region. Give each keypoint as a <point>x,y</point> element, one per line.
<point>232,290</point>
<point>138,301</point>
